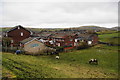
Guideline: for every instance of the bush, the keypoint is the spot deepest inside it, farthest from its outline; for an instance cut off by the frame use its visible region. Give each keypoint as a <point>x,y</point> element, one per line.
<point>59,49</point>
<point>45,51</point>
<point>48,50</point>
<point>68,46</point>
<point>6,41</point>
<point>12,50</point>
<point>82,45</point>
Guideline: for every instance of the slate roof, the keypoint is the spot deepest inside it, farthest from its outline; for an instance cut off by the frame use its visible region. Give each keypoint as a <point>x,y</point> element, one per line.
<point>27,40</point>
<point>85,36</point>
<point>62,34</point>
<point>20,27</point>
<point>59,35</point>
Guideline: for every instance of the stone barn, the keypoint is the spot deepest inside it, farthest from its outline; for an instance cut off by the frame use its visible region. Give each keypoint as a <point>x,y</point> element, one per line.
<point>32,45</point>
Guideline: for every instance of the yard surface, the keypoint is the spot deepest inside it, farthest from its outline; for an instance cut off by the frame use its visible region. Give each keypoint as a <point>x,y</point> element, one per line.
<point>110,38</point>
<point>70,65</point>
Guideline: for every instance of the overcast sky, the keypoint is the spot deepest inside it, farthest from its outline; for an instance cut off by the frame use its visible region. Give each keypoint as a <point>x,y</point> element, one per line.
<point>59,13</point>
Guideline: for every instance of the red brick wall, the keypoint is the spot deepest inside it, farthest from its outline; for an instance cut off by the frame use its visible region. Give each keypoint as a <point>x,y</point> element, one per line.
<point>95,39</point>
<point>16,35</point>
<point>67,41</point>
<point>68,48</point>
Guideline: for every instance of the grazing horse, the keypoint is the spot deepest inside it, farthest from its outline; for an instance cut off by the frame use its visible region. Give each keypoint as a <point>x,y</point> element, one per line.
<point>93,61</point>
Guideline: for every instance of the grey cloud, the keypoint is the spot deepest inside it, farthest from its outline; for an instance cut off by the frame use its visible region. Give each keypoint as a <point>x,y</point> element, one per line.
<point>60,13</point>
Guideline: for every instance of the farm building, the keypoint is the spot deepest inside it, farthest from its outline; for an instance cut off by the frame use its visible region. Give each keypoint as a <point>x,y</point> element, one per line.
<point>17,34</point>
<point>66,39</point>
<point>90,39</point>
<point>32,45</point>
<point>63,39</point>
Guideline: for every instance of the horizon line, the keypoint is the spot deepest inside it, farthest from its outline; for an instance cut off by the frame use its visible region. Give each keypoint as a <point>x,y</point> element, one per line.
<point>57,27</point>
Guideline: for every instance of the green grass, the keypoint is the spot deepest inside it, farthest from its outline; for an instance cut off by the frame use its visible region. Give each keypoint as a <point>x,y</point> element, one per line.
<point>109,38</point>
<point>33,29</point>
<point>106,32</point>
<point>105,55</point>
<point>70,65</point>
<point>4,29</point>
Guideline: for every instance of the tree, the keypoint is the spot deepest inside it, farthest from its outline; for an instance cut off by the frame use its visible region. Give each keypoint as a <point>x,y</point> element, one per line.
<point>82,45</point>
<point>6,41</point>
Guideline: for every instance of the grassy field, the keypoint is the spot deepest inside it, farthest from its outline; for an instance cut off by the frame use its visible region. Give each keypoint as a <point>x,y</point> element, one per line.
<point>110,38</point>
<point>70,65</point>
<point>106,32</point>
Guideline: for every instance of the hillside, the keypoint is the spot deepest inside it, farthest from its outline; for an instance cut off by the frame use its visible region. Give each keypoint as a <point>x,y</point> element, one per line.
<point>112,38</point>
<point>70,65</point>
<point>95,28</point>
<point>116,28</point>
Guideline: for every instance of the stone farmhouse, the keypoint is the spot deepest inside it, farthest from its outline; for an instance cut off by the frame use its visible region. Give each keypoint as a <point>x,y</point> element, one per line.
<point>32,45</point>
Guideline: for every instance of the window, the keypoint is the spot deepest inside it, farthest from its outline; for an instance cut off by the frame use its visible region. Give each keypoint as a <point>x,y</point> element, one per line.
<point>75,44</point>
<point>31,33</point>
<point>71,44</point>
<point>18,27</point>
<point>6,34</point>
<point>20,44</point>
<point>21,33</point>
<point>76,40</point>
<point>11,41</point>
<point>71,40</point>
<point>34,45</point>
<point>63,40</point>
<point>89,42</point>
<point>82,40</point>
<point>58,44</point>
<point>51,42</point>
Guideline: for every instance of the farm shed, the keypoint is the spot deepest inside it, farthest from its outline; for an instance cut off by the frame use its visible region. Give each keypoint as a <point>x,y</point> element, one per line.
<point>32,45</point>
